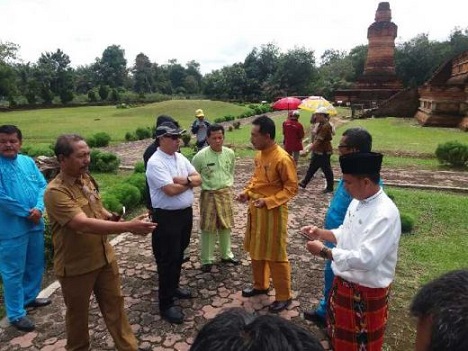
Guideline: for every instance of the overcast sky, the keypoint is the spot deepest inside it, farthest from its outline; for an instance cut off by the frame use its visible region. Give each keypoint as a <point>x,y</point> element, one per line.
<point>214,33</point>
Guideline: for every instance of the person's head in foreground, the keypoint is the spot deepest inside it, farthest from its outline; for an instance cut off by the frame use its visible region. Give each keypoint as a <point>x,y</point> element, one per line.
<point>237,330</point>
<point>441,309</point>
<point>11,140</point>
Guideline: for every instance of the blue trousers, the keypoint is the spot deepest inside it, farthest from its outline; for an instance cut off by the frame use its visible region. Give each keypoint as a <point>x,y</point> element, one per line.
<point>328,277</point>
<point>21,268</point>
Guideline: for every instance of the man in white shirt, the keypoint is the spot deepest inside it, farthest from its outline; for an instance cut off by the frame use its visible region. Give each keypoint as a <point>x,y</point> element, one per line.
<point>364,258</point>
<point>171,178</point>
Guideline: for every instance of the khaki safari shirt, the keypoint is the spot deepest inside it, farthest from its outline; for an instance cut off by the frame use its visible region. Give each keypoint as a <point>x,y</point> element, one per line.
<point>75,252</point>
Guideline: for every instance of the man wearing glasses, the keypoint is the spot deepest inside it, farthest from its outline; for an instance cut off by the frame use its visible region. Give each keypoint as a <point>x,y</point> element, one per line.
<point>171,177</point>
<point>353,140</point>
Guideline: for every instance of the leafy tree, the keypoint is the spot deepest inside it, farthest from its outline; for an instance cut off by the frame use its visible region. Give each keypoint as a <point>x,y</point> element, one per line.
<point>7,75</point>
<point>26,82</point>
<point>193,69</point>
<point>103,92</point>
<point>191,84</point>
<point>177,74</point>
<point>85,79</point>
<point>55,76</point>
<point>111,69</point>
<point>296,71</point>
<point>142,75</point>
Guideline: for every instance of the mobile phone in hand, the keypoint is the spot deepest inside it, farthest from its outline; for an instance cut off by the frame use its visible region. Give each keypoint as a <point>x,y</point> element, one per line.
<point>305,236</point>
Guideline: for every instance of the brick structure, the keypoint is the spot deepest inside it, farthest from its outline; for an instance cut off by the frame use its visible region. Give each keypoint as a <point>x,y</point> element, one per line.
<point>443,100</point>
<point>379,81</point>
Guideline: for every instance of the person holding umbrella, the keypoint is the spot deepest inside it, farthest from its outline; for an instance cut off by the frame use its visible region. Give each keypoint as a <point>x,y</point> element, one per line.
<point>321,150</point>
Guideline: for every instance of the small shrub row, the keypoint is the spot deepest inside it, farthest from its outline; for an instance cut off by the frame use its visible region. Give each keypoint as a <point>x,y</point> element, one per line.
<point>139,134</point>
<point>452,153</point>
<point>106,162</point>
<point>100,139</point>
<point>37,150</point>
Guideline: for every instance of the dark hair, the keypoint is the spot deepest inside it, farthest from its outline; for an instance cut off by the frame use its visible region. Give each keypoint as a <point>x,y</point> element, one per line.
<point>11,129</point>
<point>358,138</point>
<point>267,126</point>
<point>445,299</point>
<point>63,145</point>
<point>214,128</point>
<point>237,330</point>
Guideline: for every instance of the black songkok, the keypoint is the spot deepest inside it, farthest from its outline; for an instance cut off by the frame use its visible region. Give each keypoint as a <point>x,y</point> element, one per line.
<point>361,163</point>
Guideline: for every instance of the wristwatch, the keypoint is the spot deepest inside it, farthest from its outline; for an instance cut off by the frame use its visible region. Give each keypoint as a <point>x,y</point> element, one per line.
<point>326,253</point>
<point>189,181</point>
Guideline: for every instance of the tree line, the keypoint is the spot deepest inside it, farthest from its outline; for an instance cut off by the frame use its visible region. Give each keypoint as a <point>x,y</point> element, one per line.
<point>265,73</point>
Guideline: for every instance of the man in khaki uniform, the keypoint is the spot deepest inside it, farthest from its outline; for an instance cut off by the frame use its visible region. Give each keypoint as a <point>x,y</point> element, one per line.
<point>84,261</point>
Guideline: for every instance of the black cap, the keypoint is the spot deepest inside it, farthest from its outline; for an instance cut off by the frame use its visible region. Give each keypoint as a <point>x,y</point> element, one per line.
<point>361,163</point>
<point>168,128</point>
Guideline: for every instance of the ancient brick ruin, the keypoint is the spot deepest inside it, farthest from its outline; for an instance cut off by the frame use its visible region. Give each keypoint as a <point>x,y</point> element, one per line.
<point>443,99</point>
<point>379,81</point>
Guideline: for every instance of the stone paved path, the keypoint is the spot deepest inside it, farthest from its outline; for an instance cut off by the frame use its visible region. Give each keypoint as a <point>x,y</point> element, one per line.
<point>213,291</point>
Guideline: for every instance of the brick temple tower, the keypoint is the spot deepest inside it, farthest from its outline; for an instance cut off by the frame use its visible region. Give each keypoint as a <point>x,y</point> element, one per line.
<point>379,71</point>
<point>379,81</point>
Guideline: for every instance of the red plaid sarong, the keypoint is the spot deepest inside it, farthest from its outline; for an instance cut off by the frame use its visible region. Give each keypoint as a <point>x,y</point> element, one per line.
<point>356,316</point>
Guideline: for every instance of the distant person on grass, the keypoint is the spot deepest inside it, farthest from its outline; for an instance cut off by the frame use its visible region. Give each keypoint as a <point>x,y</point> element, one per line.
<point>364,258</point>
<point>353,140</point>
<point>321,150</point>
<point>22,189</point>
<point>200,128</point>
<point>84,260</point>
<point>272,186</point>
<point>216,167</point>
<point>293,133</point>
<point>441,309</point>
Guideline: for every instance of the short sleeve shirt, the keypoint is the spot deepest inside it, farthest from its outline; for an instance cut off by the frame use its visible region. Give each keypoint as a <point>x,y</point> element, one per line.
<point>75,252</point>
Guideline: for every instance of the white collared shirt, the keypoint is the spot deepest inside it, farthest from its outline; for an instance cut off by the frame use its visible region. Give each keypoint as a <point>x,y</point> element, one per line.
<point>160,171</point>
<point>367,242</point>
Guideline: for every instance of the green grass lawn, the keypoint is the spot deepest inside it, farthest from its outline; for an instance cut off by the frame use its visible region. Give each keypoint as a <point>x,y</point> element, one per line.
<point>44,125</point>
<point>436,245</point>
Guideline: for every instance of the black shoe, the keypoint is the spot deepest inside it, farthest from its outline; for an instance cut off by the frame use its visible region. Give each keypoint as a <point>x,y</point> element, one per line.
<point>314,317</point>
<point>302,185</point>
<point>325,191</point>
<point>206,268</point>
<point>39,302</point>
<point>173,315</point>
<point>24,324</point>
<point>278,306</point>
<point>249,292</point>
<point>234,261</point>
<point>182,293</point>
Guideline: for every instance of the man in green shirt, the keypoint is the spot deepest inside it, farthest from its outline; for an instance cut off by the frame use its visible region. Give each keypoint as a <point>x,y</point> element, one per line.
<point>216,167</point>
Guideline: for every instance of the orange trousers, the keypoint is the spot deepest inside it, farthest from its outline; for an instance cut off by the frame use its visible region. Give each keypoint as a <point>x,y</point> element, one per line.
<point>280,273</point>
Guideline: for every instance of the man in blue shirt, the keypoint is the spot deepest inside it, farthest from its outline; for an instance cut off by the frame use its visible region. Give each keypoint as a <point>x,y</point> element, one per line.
<point>21,229</point>
<point>353,140</point>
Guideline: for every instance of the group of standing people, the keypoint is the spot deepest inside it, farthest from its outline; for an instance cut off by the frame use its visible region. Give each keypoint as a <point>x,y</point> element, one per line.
<point>359,241</point>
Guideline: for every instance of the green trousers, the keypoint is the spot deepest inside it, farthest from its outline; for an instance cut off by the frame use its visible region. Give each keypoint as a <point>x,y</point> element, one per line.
<point>208,241</point>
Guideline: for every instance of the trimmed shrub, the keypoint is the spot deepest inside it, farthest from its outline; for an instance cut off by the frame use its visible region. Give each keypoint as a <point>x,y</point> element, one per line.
<point>114,95</point>
<point>111,203</point>
<point>230,129</point>
<point>407,223</point>
<point>37,150</point>
<point>236,124</point>
<point>186,137</point>
<point>139,181</point>
<point>100,139</point>
<point>452,153</point>
<point>129,136</point>
<point>127,194</point>
<point>143,133</point>
<point>219,120</point>
<point>105,162</point>
<point>139,167</point>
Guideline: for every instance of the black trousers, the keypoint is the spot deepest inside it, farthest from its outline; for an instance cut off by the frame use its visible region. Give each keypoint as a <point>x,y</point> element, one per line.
<point>320,161</point>
<point>169,240</point>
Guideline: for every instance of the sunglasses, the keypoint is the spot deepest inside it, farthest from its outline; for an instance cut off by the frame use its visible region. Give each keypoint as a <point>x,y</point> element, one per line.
<point>173,137</point>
